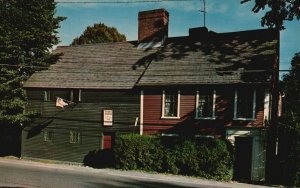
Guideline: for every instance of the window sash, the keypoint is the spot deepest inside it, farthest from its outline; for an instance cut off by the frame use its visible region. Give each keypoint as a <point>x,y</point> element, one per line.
<point>48,136</point>
<point>74,137</point>
<point>170,105</point>
<point>51,95</point>
<point>75,95</point>
<point>48,95</point>
<point>244,105</point>
<point>205,105</point>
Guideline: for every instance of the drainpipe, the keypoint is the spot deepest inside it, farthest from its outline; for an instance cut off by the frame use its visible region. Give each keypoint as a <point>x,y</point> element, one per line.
<point>141,112</point>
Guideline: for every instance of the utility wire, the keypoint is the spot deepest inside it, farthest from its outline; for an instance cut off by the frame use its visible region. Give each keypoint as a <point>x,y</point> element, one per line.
<point>126,1</point>
<point>28,66</point>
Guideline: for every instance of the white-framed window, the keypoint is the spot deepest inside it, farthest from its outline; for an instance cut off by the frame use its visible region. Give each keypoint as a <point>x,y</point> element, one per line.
<point>48,136</point>
<point>171,104</point>
<point>75,95</point>
<point>205,104</point>
<point>245,104</point>
<point>75,137</point>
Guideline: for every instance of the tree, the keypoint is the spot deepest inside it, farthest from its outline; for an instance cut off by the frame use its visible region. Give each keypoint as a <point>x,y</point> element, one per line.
<point>27,33</point>
<point>99,33</point>
<point>280,10</point>
<point>290,125</point>
<point>288,129</point>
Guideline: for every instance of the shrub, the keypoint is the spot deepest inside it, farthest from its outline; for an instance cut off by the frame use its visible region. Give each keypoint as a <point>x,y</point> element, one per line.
<point>138,152</point>
<point>99,159</point>
<point>215,159</point>
<point>204,157</point>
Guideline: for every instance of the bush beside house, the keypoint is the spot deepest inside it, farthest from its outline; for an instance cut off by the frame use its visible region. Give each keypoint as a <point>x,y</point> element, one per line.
<point>202,157</point>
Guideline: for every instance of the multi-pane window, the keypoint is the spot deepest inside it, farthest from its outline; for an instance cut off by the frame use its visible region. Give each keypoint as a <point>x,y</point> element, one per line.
<point>48,95</point>
<point>74,137</point>
<point>48,136</point>
<point>205,105</point>
<point>170,104</point>
<point>75,95</point>
<point>51,95</point>
<point>245,104</point>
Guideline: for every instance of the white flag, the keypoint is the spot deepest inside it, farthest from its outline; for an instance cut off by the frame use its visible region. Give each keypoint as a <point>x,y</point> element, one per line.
<point>60,102</point>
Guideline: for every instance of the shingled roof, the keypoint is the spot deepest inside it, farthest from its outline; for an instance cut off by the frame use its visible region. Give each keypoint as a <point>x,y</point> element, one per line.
<point>95,66</point>
<point>226,58</point>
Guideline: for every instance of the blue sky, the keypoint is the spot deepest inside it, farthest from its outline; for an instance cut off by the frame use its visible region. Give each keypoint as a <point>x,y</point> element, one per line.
<point>222,16</point>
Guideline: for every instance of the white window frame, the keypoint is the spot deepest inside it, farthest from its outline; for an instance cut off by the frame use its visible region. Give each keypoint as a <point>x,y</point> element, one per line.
<point>267,106</point>
<point>163,106</point>
<point>253,107</point>
<point>213,117</point>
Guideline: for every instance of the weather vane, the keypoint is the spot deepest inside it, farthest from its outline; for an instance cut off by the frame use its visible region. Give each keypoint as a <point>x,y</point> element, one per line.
<point>204,12</point>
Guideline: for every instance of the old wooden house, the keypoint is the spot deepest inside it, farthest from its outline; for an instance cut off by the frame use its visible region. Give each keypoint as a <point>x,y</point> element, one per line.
<point>204,84</point>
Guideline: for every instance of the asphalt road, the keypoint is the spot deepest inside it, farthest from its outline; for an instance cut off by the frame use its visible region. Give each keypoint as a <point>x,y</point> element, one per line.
<point>21,174</point>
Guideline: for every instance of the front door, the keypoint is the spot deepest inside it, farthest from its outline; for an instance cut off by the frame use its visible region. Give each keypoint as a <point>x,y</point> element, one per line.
<point>243,158</point>
<point>108,139</point>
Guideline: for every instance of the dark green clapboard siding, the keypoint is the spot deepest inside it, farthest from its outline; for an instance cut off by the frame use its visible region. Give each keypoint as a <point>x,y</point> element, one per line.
<point>84,117</point>
<point>109,97</point>
<point>60,147</point>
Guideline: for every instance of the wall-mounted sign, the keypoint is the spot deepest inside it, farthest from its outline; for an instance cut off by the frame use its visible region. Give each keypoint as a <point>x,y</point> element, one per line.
<point>107,117</point>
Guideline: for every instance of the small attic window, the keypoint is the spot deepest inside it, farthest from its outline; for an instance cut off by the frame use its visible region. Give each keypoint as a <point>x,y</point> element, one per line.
<point>48,95</point>
<point>75,95</point>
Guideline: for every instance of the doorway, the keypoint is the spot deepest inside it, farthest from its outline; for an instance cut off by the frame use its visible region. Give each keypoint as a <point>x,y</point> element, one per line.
<point>243,158</point>
<point>108,140</point>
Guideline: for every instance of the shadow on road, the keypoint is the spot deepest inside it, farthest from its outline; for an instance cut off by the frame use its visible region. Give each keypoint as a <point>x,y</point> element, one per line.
<point>144,184</point>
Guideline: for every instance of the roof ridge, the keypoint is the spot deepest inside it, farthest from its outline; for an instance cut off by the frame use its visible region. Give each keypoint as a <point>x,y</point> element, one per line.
<point>101,43</point>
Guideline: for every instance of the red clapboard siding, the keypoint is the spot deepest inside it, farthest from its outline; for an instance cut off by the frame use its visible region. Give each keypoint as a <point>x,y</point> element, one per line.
<point>152,109</point>
<point>224,112</point>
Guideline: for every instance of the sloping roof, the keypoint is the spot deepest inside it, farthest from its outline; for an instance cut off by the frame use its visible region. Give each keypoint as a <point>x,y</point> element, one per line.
<point>95,66</point>
<point>229,58</point>
<point>226,58</point>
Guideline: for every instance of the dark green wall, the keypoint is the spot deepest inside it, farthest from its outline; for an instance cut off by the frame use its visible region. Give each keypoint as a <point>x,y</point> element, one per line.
<point>84,117</point>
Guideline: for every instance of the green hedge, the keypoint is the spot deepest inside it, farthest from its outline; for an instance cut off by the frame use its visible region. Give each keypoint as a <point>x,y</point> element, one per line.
<point>203,157</point>
<point>134,152</point>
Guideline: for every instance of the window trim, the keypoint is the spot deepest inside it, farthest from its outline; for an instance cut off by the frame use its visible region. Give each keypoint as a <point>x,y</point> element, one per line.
<point>48,136</point>
<point>48,95</point>
<point>78,137</point>
<point>253,118</point>
<point>72,95</point>
<point>214,107</point>
<point>79,95</point>
<point>163,106</point>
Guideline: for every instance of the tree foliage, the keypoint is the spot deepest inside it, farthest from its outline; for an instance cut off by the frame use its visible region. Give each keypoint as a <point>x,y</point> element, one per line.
<point>290,125</point>
<point>99,33</point>
<point>27,33</point>
<point>280,10</point>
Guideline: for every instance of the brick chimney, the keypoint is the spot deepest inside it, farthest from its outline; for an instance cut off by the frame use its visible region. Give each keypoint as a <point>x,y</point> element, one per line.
<point>153,27</point>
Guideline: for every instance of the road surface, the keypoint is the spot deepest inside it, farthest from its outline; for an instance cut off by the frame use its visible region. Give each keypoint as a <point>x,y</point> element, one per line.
<point>23,174</point>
